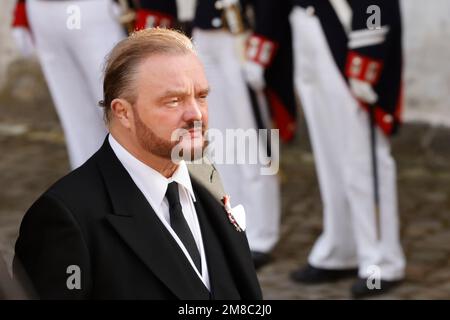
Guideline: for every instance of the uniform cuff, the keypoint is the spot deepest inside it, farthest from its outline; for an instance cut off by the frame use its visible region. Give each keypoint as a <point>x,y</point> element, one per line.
<point>20,16</point>
<point>152,19</point>
<point>261,50</point>
<point>363,68</point>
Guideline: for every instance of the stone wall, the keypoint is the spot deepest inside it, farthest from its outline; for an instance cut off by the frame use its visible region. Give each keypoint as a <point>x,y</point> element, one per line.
<point>427,55</point>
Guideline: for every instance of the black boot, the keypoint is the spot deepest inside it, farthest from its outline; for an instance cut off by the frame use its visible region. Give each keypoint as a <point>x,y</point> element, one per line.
<point>313,275</point>
<point>361,289</point>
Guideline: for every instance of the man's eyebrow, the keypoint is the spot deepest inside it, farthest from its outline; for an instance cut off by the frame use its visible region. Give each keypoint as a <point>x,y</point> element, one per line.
<point>182,92</point>
<point>172,93</point>
<point>206,91</point>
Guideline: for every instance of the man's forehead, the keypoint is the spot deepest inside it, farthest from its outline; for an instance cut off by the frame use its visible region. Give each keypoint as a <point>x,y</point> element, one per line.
<point>174,71</point>
<point>167,62</point>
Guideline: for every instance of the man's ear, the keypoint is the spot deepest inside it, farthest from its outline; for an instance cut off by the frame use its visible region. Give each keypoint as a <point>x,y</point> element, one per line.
<point>121,111</point>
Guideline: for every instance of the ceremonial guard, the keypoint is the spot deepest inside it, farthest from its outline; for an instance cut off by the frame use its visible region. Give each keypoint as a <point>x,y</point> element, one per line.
<point>219,35</point>
<point>72,49</point>
<point>71,39</point>
<point>348,74</point>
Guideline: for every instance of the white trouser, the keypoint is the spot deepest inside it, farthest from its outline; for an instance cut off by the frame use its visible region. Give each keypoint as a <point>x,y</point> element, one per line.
<point>340,135</point>
<point>230,108</point>
<point>72,61</point>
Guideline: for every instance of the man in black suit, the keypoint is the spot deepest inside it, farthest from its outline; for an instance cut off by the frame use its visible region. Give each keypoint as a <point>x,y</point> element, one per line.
<point>132,223</point>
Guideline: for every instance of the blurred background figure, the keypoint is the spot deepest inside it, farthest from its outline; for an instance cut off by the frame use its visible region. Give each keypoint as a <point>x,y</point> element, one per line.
<point>71,39</point>
<point>348,74</point>
<point>219,33</point>
<point>276,78</point>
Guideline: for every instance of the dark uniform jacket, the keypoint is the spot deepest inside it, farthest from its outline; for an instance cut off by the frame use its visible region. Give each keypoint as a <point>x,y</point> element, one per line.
<point>358,54</point>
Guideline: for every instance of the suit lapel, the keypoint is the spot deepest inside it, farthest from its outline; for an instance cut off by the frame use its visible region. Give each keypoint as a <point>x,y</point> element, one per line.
<point>234,244</point>
<point>222,283</point>
<point>138,225</point>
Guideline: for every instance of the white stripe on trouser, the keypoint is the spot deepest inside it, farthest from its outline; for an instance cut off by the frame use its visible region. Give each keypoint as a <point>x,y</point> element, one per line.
<point>230,108</point>
<point>339,134</point>
<point>72,61</point>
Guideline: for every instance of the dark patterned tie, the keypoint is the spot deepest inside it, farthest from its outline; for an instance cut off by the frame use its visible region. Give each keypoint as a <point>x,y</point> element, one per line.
<point>180,225</point>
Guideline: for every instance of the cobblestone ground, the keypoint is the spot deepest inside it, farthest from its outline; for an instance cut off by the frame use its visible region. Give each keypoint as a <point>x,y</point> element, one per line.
<point>33,155</point>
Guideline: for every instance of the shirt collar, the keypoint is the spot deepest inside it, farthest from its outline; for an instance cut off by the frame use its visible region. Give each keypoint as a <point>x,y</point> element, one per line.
<point>144,176</point>
<point>181,176</point>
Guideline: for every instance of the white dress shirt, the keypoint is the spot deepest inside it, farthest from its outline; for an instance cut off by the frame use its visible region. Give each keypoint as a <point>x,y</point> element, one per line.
<point>154,185</point>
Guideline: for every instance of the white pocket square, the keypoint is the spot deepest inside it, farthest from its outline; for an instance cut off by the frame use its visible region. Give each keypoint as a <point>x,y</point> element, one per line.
<point>238,213</point>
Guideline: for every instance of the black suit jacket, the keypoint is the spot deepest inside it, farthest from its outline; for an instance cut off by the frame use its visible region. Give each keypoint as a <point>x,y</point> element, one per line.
<point>97,219</point>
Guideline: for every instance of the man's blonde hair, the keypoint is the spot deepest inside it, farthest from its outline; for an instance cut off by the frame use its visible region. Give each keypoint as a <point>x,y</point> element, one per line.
<point>124,59</point>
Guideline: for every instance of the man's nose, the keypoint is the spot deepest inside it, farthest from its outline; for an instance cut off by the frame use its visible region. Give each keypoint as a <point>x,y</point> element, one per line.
<point>193,111</point>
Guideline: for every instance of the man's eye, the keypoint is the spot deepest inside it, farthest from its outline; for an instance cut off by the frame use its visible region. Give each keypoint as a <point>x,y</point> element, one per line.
<point>173,102</point>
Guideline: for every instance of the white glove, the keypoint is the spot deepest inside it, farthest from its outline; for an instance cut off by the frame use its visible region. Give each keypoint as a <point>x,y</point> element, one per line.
<point>24,41</point>
<point>363,91</point>
<point>186,10</point>
<point>225,3</point>
<point>254,74</point>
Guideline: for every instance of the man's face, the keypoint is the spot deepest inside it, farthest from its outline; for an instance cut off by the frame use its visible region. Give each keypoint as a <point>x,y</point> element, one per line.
<point>171,95</point>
